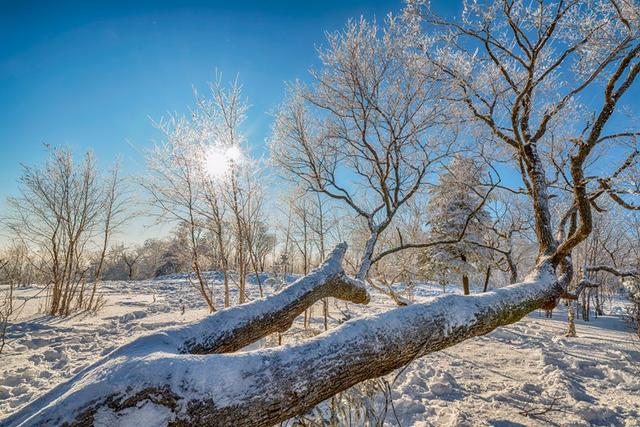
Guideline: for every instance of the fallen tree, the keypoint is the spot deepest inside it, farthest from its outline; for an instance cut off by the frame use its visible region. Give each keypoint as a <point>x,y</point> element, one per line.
<point>156,381</point>
<point>227,330</point>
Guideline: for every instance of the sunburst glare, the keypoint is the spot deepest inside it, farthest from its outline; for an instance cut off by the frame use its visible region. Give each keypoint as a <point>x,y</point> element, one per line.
<point>219,160</point>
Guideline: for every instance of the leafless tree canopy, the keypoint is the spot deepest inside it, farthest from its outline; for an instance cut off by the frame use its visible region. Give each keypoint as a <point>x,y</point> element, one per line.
<point>367,131</point>
<point>64,209</point>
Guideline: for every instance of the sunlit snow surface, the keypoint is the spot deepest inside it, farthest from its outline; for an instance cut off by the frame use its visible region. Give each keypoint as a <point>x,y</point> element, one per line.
<point>493,380</point>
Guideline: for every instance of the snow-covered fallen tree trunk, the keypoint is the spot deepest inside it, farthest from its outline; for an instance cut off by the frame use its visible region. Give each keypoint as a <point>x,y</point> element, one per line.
<point>236,327</point>
<point>263,387</point>
<point>233,328</point>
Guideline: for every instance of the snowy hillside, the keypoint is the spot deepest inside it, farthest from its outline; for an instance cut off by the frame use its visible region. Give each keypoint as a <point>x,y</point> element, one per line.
<point>525,374</point>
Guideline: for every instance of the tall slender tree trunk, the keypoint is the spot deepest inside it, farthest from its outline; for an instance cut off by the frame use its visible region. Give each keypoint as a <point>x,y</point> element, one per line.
<point>465,279</point>
<point>465,285</point>
<point>256,269</point>
<point>240,239</point>
<point>571,323</point>
<point>224,256</point>
<point>202,283</point>
<point>365,262</point>
<point>487,276</point>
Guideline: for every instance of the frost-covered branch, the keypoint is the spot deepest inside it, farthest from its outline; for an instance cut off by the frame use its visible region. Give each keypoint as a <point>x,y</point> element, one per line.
<point>236,327</point>
<point>584,284</point>
<point>614,271</point>
<point>239,326</point>
<point>441,242</point>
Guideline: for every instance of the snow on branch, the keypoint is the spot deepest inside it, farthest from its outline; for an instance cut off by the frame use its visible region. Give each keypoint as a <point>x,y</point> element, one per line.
<point>233,328</point>
<point>267,386</point>
<point>239,326</point>
<point>614,271</point>
<point>584,283</point>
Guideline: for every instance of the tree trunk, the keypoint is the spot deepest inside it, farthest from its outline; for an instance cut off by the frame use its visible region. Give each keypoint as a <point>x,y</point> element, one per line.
<point>598,303</point>
<point>264,387</point>
<point>239,326</point>
<point>513,269</point>
<point>487,276</point>
<point>465,285</point>
<point>465,279</point>
<point>571,323</point>
<point>325,313</point>
<point>239,239</point>
<point>365,262</point>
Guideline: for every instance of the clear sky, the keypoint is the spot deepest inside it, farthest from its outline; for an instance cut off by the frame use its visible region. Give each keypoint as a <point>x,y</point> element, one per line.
<point>92,74</point>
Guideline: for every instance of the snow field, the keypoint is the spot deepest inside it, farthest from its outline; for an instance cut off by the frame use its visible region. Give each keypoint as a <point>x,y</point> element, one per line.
<point>525,374</point>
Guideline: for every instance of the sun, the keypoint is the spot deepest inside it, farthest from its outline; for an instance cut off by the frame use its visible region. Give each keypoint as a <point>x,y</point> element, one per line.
<point>219,160</point>
<point>234,154</point>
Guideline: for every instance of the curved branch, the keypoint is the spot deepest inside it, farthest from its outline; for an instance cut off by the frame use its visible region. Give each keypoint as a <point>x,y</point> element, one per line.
<point>403,246</point>
<point>236,327</point>
<point>584,284</point>
<point>614,271</point>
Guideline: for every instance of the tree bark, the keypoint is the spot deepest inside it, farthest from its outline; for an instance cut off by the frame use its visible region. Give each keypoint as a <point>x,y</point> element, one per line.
<point>465,284</point>
<point>571,323</point>
<point>465,279</point>
<point>487,276</point>
<point>264,387</point>
<point>365,262</point>
<point>239,326</point>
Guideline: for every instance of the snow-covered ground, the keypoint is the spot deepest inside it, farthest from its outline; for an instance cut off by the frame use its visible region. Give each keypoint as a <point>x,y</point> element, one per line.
<point>525,374</point>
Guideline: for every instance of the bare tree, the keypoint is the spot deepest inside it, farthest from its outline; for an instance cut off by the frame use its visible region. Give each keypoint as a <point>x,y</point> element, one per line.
<point>232,182</point>
<point>220,117</point>
<point>113,218</point>
<point>506,63</point>
<point>130,258</point>
<point>57,215</point>
<point>245,198</point>
<point>368,121</point>
<point>174,187</point>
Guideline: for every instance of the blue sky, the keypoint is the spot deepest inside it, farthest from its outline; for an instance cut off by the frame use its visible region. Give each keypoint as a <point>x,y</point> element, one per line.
<point>92,74</point>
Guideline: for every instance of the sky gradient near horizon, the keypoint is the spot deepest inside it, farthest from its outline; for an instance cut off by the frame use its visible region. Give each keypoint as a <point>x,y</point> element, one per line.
<point>95,74</point>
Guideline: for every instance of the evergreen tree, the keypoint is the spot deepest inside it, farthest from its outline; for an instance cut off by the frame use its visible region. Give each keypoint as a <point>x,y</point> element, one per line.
<point>454,199</point>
